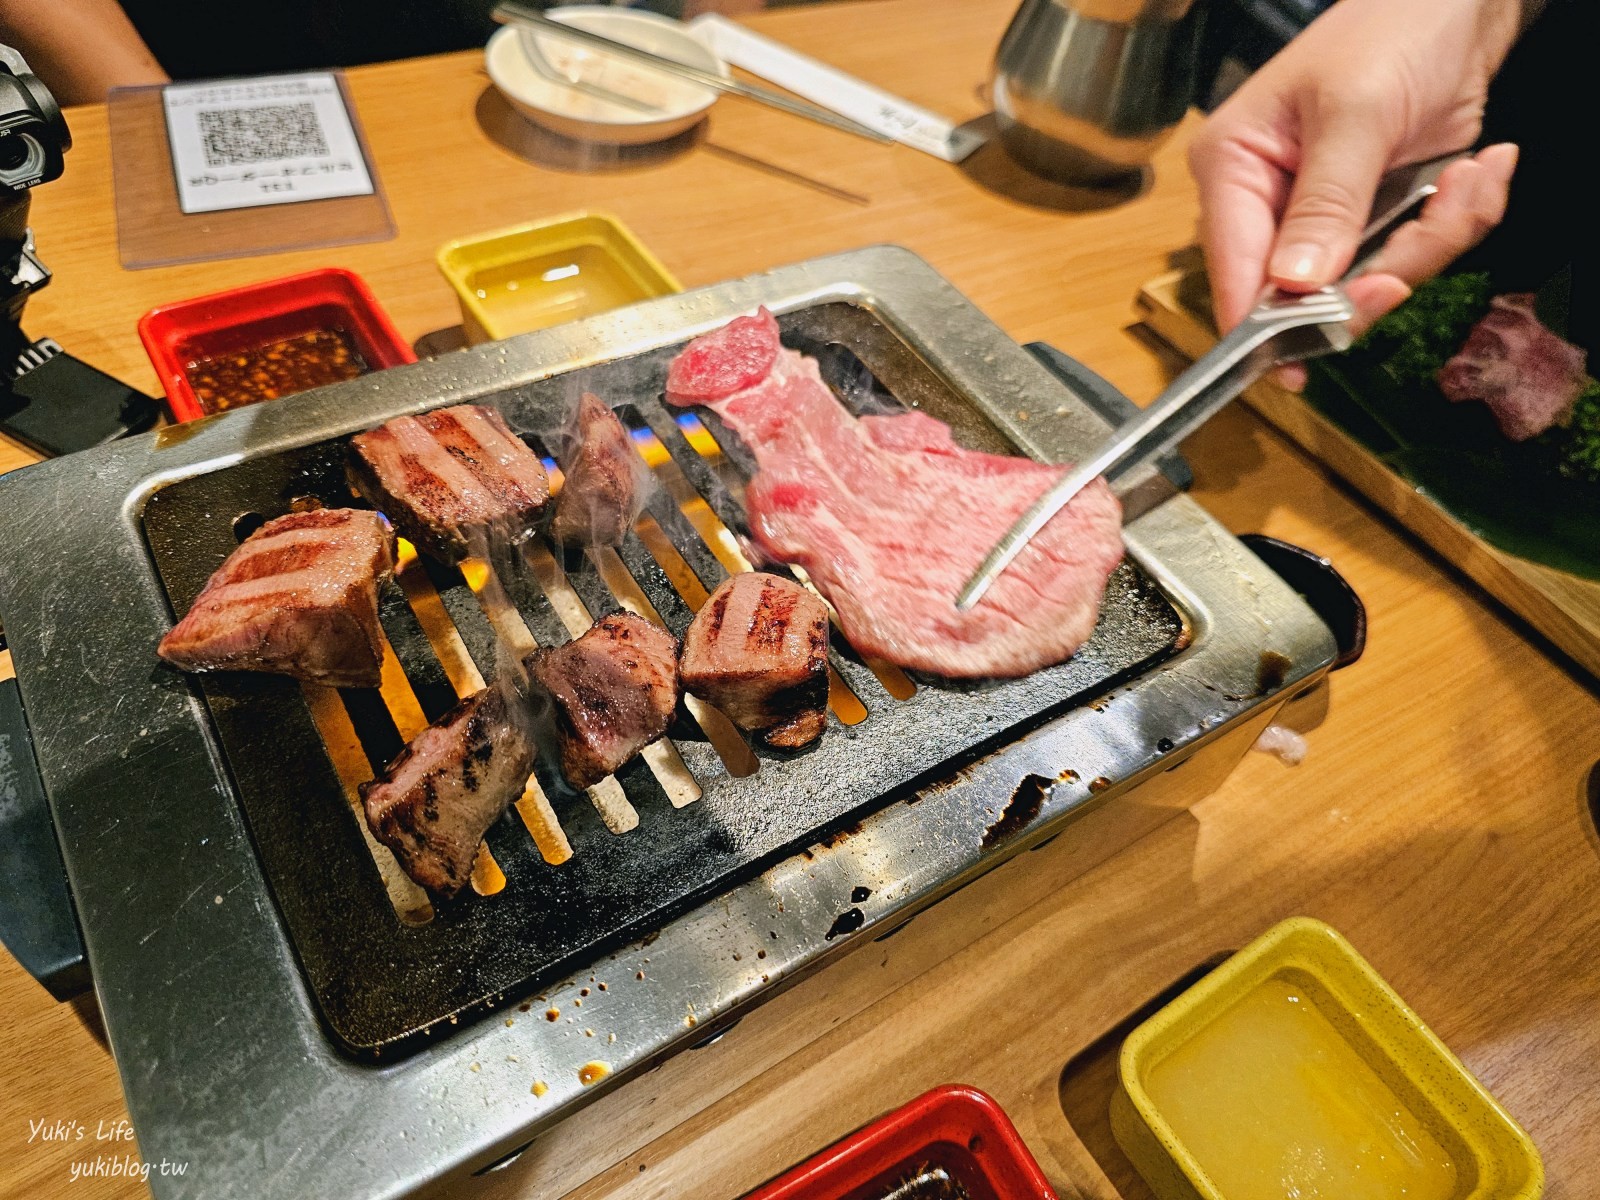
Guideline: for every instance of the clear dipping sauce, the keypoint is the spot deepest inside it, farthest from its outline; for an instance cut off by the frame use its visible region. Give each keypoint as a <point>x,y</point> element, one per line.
<point>1275,1104</point>
<point>549,289</point>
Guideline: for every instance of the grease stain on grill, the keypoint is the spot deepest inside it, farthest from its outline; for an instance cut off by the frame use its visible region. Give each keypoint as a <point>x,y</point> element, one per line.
<point>850,920</point>
<point>1021,809</point>
<point>246,523</point>
<point>593,1072</point>
<point>860,895</point>
<point>839,836</point>
<point>1099,784</point>
<point>1271,670</point>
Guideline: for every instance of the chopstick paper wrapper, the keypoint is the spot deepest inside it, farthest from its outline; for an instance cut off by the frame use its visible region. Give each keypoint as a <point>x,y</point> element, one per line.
<point>834,90</point>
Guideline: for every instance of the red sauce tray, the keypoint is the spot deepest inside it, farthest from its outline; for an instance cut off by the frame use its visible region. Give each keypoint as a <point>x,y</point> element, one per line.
<point>953,1143</point>
<point>267,340</point>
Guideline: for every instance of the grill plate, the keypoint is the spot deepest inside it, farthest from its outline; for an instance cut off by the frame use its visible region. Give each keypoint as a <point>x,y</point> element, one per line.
<point>383,985</point>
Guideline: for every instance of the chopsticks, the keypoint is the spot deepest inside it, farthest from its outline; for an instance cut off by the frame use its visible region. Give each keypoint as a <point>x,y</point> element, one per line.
<point>513,12</point>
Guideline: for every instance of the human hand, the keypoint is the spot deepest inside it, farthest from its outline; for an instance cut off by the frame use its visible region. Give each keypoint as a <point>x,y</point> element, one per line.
<point>1288,167</point>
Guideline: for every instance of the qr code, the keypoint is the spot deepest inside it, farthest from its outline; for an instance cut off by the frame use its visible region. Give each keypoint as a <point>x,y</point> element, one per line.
<point>272,132</point>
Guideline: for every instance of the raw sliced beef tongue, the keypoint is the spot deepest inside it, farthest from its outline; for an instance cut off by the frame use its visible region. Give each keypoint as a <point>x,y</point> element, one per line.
<point>614,689</point>
<point>758,650</point>
<point>298,597</point>
<point>889,517</point>
<point>435,801</point>
<point>1527,375</point>
<point>598,499</point>
<point>451,477</point>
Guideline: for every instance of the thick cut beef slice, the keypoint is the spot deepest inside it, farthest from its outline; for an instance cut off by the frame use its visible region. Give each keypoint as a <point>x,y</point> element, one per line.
<point>889,517</point>
<point>451,478</point>
<point>614,690</point>
<point>758,650</point>
<point>1527,375</point>
<point>598,499</point>
<point>298,597</point>
<point>435,801</point>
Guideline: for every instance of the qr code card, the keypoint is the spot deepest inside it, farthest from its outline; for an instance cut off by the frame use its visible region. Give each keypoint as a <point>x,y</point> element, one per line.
<point>276,139</point>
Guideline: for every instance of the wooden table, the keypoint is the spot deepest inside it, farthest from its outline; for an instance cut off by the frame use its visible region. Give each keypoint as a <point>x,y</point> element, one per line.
<point>1441,822</point>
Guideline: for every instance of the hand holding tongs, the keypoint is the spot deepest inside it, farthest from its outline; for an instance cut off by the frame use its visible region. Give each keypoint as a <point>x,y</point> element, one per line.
<point>1282,328</point>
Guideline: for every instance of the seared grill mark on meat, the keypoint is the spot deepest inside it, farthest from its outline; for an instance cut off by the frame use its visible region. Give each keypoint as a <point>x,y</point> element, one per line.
<point>716,610</point>
<point>432,805</point>
<point>889,516</point>
<point>758,650</point>
<point>614,692</point>
<point>770,624</point>
<point>446,476</point>
<point>299,597</point>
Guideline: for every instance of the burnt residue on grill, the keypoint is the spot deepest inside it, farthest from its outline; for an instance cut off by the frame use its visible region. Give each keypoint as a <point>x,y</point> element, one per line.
<point>1271,670</point>
<point>616,888</point>
<point>839,836</point>
<point>1025,804</point>
<point>1020,810</point>
<point>860,895</point>
<point>850,920</point>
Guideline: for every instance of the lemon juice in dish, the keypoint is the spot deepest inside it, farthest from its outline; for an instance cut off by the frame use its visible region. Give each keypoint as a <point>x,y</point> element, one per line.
<point>1275,1104</point>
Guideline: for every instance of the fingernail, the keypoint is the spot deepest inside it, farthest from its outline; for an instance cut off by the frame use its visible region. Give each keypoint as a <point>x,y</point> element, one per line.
<point>1503,158</point>
<point>1303,262</point>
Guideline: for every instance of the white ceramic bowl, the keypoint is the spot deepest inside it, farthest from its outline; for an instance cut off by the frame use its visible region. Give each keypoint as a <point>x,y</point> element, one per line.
<point>676,103</point>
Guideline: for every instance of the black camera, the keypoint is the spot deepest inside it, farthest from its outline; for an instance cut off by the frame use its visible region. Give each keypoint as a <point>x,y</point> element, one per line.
<point>48,399</point>
<point>33,141</point>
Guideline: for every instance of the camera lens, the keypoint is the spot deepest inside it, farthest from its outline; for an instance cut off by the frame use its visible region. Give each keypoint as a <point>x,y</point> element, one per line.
<point>14,151</point>
<point>21,159</point>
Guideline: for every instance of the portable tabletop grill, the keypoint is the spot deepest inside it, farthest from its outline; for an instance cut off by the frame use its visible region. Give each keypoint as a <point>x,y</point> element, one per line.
<point>249,940</point>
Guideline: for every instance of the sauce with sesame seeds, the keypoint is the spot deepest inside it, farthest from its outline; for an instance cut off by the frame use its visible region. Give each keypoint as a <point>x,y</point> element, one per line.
<point>281,368</point>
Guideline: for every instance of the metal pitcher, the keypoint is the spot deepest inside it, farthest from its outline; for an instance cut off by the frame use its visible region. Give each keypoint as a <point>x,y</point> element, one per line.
<point>1085,90</point>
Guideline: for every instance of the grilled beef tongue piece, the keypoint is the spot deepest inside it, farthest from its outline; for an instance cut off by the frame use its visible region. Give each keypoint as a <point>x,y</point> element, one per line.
<point>435,801</point>
<point>758,650</point>
<point>614,689</point>
<point>598,502</point>
<point>298,597</point>
<point>451,476</point>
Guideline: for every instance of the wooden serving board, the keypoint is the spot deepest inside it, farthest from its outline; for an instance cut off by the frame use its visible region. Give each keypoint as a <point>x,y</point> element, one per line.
<point>1562,607</point>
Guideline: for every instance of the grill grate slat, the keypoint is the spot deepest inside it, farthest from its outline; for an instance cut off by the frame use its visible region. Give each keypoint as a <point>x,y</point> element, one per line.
<point>655,585</point>
<point>699,472</point>
<point>382,984</point>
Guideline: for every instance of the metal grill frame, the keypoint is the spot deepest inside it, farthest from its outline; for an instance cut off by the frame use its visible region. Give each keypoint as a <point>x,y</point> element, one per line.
<point>223,1062</point>
<point>385,987</point>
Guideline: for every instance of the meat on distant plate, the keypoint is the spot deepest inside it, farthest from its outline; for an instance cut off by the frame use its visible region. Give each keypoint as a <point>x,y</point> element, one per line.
<point>889,517</point>
<point>614,690</point>
<point>298,597</point>
<point>1528,376</point>
<point>758,650</point>
<point>435,801</point>
<point>451,477</point>
<point>599,495</point>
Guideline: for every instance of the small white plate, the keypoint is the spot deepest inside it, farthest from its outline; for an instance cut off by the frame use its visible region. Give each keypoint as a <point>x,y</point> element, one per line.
<point>664,104</point>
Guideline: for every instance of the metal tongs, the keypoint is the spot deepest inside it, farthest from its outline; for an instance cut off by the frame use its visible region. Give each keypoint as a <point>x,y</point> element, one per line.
<point>1283,328</point>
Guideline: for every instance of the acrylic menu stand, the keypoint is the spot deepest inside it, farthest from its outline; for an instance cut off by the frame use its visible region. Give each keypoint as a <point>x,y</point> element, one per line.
<point>152,231</point>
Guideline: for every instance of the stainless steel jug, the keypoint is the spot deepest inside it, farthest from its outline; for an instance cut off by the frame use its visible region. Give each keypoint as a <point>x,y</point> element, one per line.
<point>1085,90</point>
